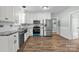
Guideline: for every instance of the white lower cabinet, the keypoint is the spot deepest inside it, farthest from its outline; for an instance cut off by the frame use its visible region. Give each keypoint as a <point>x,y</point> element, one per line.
<point>3,44</point>
<point>26,35</point>
<point>13,42</point>
<point>9,43</point>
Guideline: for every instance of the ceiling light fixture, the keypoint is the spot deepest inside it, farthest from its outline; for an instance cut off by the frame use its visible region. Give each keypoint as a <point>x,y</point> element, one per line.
<point>24,6</point>
<point>45,7</point>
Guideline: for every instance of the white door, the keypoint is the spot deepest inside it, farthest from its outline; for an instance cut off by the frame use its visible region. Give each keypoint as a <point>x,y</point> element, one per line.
<point>75,25</point>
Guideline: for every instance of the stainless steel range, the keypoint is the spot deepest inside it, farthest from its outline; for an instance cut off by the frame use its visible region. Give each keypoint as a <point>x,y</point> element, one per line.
<point>36,28</point>
<point>36,31</point>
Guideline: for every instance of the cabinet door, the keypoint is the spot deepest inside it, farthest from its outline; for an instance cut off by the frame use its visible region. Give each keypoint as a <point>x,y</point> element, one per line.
<point>16,41</point>
<point>3,13</point>
<point>3,44</point>
<point>16,10</point>
<point>9,13</point>
<point>13,43</point>
<point>31,31</point>
<point>26,35</point>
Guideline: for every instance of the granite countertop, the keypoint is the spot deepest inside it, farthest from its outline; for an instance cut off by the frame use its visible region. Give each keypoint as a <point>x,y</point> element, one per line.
<point>7,33</point>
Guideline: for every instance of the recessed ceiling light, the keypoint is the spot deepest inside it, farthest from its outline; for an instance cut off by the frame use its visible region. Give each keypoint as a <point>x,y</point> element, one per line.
<point>45,7</point>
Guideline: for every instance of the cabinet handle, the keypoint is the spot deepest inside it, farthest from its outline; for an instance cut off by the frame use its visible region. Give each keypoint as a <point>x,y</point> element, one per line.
<point>14,35</point>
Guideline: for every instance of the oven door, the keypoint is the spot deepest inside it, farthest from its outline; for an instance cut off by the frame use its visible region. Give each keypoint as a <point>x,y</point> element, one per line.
<point>36,31</point>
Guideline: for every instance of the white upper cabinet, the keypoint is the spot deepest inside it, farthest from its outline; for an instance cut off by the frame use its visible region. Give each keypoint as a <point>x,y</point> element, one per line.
<point>30,16</point>
<point>9,13</point>
<point>6,13</point>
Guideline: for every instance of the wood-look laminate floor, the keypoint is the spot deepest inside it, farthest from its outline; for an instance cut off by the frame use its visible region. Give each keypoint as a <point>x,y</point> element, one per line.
<point>55,43</point>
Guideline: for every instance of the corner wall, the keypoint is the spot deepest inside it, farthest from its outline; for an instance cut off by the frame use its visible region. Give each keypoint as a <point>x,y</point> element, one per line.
<point>65,22</point>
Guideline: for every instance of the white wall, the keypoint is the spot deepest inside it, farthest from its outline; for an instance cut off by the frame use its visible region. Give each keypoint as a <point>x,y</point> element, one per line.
<point>65,22</point>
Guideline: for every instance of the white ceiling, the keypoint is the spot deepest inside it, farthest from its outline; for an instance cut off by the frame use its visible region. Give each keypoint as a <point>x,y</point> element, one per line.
<point>53,9</point>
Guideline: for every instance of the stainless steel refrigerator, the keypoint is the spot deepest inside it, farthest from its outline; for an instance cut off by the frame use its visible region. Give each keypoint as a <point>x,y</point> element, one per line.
<point>48,27</point>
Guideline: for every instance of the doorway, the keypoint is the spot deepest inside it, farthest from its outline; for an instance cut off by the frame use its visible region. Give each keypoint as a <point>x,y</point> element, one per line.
<point>56,26</point>
<point>75,25</point>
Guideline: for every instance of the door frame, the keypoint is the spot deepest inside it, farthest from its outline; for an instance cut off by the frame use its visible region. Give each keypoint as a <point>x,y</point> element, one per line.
<point>71,23</point>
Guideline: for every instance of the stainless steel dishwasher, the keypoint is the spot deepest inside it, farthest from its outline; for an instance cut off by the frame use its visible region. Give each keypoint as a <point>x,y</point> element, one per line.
<point>21,38</point>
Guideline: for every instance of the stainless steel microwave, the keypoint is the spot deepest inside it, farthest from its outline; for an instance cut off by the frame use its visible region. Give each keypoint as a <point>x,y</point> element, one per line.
<point>36,22</point>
